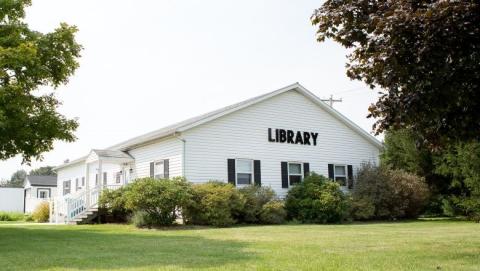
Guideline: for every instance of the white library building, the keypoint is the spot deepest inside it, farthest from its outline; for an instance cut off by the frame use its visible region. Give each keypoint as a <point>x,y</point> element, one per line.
<point>273,140</point>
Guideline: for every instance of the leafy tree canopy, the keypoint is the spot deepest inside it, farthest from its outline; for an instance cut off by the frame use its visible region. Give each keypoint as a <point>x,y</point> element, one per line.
<point>43,171</point>
<point>29,122</point>
<point>17,179</point>
<point>423,54</point>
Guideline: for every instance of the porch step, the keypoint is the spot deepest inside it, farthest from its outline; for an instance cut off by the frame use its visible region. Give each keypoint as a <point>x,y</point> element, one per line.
<point>85,217</point>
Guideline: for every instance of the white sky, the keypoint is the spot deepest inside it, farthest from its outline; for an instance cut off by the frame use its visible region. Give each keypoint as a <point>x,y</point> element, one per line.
<point>147,64</point>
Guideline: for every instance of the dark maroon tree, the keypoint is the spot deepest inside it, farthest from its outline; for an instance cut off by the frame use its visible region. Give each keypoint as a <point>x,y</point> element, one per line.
<point>423,55</point>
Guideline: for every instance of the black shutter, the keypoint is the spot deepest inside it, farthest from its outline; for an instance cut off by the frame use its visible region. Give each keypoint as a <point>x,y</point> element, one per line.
<point>350,176</point>
<point>166,169</point>
<point>284,166</point>
<point>330,171</point>
<point>231,171</point>
<point>152,165</point>
<point>306,169</point>
<point>257,175</point>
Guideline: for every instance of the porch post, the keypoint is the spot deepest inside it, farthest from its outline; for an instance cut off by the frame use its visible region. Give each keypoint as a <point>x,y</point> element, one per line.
<point>100,174</point>
<point>87,184</point>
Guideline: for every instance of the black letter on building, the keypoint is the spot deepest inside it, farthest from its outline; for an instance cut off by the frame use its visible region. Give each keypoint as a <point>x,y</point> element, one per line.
<point>283,136</point>
<point>290,135</point>
<point>299,138</point>
<point>270,139</point>
<point>306,138</point>
<point>314,136</point>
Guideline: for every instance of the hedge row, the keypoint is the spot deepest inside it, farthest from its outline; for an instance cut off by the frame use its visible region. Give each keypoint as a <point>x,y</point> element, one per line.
<point>379,193</point>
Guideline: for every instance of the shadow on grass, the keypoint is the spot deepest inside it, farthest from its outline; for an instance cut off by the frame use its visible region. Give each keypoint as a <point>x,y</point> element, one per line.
<point>57,248</point>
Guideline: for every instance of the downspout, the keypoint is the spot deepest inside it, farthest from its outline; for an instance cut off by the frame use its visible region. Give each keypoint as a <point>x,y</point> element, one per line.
<point>184,145</point>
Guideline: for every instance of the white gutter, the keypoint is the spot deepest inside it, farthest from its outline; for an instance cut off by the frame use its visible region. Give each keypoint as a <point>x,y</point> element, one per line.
<point>184,145</point>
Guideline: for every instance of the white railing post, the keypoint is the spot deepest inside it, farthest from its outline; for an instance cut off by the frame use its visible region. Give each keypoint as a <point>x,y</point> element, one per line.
<point>87,185</point>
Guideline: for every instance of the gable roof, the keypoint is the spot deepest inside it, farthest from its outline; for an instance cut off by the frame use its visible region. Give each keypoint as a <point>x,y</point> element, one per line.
<point>112,153</point>
<point>36,180</point>
<point>196,121</point>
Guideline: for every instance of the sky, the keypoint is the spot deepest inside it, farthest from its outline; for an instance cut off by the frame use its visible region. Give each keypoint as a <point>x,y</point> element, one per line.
<point>148,64</point>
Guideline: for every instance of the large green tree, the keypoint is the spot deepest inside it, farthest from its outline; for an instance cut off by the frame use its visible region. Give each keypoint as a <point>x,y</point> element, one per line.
<point>29,121</point>
<point>43,171</point>
<point>17,179</point>
<point>424,56</point>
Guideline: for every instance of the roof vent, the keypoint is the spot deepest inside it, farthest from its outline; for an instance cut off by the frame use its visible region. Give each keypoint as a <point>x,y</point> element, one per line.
<point>66,161</point>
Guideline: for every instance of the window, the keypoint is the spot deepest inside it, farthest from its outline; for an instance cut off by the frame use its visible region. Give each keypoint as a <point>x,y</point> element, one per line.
<point>159,169</point>
<point>96,179</point>
<point>77,184</point>
<point>104,178</point>
<point>118,177</point>
<point>66,187</point>
<point>244,170</point>
<point>83,181</point>
<point>43,193</point>
<point>340,175</point>
<point>295,173</point>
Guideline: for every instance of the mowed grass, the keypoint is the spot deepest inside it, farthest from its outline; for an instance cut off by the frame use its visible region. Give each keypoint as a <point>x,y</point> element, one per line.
<point>417,245</point>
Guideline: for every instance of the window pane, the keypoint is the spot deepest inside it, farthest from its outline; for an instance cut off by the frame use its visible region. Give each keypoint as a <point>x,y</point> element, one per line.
<point>294,179</point>
<point>244,165</point>
<point>159,170</point>
<point>244,178</point>
<point>340,171</point>
<point>342,181</point>
<point>295,168</point>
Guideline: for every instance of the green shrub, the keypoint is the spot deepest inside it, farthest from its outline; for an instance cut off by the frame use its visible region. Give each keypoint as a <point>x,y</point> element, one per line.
<point>28,218</point>
<point>273,212</point>
<point>382,193</point>
<point>113,204</point>
<point>255,198</point>
<point>462,206</point>
<point>11,216</point>
<point>41,213</point>
<point>316,200</point>
<point>214,203</point>
<point>159,200</point>
<point>141,219</point>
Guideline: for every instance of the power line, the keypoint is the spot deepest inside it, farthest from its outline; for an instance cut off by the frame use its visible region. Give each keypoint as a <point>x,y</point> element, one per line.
<point>331,100</point>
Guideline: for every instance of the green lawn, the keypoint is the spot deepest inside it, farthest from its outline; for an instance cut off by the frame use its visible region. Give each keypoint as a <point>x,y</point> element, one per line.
<point>419,245</point>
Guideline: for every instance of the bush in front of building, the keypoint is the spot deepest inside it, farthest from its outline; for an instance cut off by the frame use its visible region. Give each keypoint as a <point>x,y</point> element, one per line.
<point>273,212</point>
<point>112,205</point>
<point>214,203</point>
<point>383,193</point>
<point>160,201</point>
<point>255,198</point>
<point>317,200</point>
<point>11,216</point>
<point>42,212</point>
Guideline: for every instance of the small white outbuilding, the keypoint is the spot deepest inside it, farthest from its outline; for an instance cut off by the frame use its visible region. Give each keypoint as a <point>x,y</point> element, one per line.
<point>38,189</point>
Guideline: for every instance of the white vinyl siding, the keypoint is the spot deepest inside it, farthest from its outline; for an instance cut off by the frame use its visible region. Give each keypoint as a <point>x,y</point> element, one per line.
<point>170,148</point>
<point>244,133</point>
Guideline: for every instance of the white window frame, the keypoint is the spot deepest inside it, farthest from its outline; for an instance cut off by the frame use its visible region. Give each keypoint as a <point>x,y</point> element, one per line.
<point>46,190</point>
<point>118,177</point>
<point>155,169</point>
<point>296,174</point>
<point>69,187</point>
<point>335,175</point>
<point>244,172</point>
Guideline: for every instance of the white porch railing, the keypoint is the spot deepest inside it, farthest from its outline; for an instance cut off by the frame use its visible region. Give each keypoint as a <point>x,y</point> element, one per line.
<point>68,208</point>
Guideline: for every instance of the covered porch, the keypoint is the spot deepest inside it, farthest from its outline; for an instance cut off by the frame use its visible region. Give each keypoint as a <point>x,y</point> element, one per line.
<point>104,169</point>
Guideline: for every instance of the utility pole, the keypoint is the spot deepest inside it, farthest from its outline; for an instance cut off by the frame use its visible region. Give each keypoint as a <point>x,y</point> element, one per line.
<point>331,100</point>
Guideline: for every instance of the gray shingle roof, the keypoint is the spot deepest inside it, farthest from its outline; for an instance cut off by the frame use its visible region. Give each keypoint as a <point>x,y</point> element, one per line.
<point>42,180</point>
